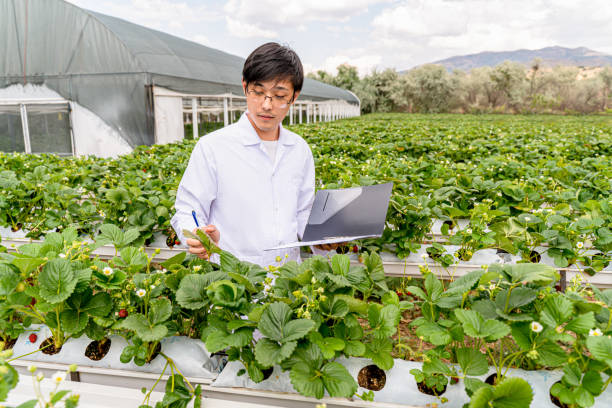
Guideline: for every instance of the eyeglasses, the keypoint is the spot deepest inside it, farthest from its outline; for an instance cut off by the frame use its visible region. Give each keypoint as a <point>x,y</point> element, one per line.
<point>278,101</point>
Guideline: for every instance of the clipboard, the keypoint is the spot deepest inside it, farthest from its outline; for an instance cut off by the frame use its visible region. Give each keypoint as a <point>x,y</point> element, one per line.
<point>347,214</point>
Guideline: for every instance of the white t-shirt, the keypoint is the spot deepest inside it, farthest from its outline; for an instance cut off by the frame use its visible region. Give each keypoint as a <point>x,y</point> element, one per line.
<point>270,146</point>
<point>256,203</point>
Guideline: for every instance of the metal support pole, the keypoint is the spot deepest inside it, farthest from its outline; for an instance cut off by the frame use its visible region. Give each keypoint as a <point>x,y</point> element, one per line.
<point>26,129</point>
<point>291,115</point>
<point>194,117</point>
<point>225,118</point>
<point>300,115</point>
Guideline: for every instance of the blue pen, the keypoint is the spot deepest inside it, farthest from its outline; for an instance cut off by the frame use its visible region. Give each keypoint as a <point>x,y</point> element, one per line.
<point>195,218</point>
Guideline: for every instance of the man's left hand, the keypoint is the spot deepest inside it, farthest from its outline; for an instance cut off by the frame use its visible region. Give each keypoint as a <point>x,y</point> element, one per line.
<point>330,247</point>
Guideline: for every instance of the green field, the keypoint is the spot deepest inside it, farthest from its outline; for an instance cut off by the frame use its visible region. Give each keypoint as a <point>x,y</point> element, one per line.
<point>520,180</point>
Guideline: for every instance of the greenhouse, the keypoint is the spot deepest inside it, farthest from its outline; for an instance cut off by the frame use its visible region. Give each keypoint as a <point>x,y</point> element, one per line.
<point>72,80</point>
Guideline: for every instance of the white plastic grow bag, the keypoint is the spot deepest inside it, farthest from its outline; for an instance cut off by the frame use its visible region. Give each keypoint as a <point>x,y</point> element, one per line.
<point>189,355</point>
<point>401,387</point>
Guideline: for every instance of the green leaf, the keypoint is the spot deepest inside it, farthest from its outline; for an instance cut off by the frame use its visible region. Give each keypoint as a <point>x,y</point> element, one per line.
<point>433,287</point>
<point>338,381</point>
<point>379,351</point>
<point>592,382</point>
<point>307,380</point>
<point>601,348</point>
<point>582,324</point>
<point>583,397</point>
<point>143,329</point>
<point>354,348</point>
<point>269,353</point>
<point>518,297</point>
<point>494,330</point>
<point>340,264</point>
<point>557,310</point>
<point>8,280</point>
<point>572,374</point>
<point>472,362</point>
<point>434,334</point>
<point>160,310</point>
<point>510,393</point>
<point>26,264</point>
<point>57,281</point>
<point>191,293</point>
<point>276,323</point>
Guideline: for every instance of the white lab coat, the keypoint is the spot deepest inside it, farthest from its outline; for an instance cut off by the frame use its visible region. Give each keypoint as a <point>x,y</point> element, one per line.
<point>255,203</point>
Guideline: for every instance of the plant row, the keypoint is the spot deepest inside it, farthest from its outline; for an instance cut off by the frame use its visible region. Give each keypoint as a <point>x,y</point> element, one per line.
<point>310,314</point>
<point>521,181</point>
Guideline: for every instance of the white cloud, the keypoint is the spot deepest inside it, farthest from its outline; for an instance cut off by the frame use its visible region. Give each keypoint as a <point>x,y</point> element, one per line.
<point>158,14</point>
<point>202,39</point>
<point>364,63</point>
<point>241,29</point>
<point>263,17</point>
<point>295,12</point>
<point>417,31</point>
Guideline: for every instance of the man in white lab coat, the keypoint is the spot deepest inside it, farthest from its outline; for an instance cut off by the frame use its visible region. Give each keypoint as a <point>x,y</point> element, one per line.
<point>251,184</point>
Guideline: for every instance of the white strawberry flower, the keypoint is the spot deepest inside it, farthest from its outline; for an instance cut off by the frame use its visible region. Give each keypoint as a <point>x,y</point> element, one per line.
<point>107,271</point>
<point>152,287</point>
<point>595,332</point>
<point>196,268</point>
<point>536,327</point>
<point>141,292</point>
<point>468,231</point>
<point>59,376</point>
<point>62,255</point>
<point>579,245</point>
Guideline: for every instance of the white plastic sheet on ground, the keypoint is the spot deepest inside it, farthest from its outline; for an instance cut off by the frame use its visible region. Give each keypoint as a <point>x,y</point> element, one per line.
<point>190,355</point>
<point>401,387</point>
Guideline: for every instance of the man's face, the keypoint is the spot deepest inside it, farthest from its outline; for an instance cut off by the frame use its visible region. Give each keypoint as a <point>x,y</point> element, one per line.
<point>268,102</point>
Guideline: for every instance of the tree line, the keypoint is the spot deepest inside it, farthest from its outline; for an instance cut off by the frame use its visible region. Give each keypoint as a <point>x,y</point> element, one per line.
<point>509,87</point>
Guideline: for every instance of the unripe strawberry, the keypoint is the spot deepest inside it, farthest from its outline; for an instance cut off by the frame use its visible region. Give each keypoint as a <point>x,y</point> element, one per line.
<point>123,313</point>
<point>33,337</point>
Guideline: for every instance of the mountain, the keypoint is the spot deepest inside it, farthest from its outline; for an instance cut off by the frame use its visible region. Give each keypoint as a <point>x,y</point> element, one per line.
<point>550,56</point>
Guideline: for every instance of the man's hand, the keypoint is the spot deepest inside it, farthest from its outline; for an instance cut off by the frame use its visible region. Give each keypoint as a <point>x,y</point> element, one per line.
<point>330,247</point>
<point>195,246</point>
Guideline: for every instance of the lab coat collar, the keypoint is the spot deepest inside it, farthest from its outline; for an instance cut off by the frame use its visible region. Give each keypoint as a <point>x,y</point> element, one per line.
<point>250,137</point>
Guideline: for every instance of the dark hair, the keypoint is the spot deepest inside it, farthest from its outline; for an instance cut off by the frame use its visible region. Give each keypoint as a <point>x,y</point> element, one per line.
<point>274,61</point>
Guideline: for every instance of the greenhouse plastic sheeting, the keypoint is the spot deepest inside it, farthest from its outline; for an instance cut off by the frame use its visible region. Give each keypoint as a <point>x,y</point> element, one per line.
<point>109,65</point>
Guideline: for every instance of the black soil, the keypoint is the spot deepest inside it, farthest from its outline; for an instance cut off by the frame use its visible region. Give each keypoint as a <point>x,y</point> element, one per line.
<point>430,391</point>
<point>48,347</point>
<point>267,372</point>
<point>535,257</point>
<point>155,353</point>
<point>97,349</point>
<point>372,378</point>
<point>9,343</point>
<point>492,379</point>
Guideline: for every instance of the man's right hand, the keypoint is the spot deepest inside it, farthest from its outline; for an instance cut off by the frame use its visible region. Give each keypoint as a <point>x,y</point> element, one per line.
<point>195,246</point>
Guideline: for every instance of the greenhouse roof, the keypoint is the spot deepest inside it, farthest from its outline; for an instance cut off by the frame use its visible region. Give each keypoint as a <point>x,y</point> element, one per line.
<point>109,65</point>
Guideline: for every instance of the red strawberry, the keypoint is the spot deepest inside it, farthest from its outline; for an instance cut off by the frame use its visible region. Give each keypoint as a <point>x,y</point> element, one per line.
<point>33,337</point>
<point>454,380</point>
<point>177,242</point>
<point>355,249</point>
<point>33,302</point>
<point>145,170</point>
<point>123,313</point>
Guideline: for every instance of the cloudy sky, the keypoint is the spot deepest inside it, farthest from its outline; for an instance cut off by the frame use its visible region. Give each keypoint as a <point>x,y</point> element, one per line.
<point>373,33</point>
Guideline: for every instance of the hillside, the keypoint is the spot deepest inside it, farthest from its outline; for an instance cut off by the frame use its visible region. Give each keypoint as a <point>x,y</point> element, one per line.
<point>550,56</point>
